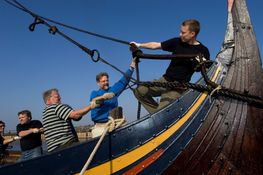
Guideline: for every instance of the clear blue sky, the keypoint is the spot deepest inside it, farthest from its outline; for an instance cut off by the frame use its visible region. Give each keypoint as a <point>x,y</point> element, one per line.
<point>32,62</point>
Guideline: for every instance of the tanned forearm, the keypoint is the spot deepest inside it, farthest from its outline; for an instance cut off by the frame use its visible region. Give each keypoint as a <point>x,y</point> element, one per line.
<point>80,112</point>
<point>151,45</point>
<point>25,132</point>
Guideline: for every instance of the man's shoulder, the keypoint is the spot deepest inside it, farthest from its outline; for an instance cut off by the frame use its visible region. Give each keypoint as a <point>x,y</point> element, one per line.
<point>35,121</point>
<point>170,45</point>
<point>52,107</point>
<point>172,40</point>
<point>18,125</point>
<point>96,93</point>
<point>206,52</point>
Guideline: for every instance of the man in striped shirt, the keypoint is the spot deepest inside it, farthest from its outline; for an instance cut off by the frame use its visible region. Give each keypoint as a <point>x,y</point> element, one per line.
<point>58,128</point>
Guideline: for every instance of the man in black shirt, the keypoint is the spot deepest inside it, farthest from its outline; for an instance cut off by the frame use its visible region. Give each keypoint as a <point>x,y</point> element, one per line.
<point>4,143</point>
<point>30,132</point>
<point>178,70</point>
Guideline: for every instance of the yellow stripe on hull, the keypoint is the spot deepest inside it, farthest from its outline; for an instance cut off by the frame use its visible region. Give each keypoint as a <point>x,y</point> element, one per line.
<point>127,159</point>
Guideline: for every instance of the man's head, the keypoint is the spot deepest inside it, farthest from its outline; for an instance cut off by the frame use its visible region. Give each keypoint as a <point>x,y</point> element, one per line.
<point>2,126</point>
<point>189,30</point>
<point>102,80</point>
<point>24,116</point>
<point>51,97</point>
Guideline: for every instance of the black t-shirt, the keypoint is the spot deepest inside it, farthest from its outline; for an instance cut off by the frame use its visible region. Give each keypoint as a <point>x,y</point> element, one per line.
<point>2,146</point>
<point>32,140</point>
<point>182,70</point>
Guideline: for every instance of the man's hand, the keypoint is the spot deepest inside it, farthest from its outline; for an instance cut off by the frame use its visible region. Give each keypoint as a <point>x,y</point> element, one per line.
<point>35,130</point>
<point>94,103</point>
<point>108,95</point>
<point>199,60</point>
<point>16,138</point>
<point>98,101</point>
<point>136,44</point>
<point>41,130</point>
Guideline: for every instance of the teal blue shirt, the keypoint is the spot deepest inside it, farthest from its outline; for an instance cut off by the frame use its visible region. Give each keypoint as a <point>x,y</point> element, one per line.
<point>100,114</point>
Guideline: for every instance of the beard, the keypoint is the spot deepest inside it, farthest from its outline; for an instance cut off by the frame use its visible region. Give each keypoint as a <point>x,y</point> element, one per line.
<point>106,86</point>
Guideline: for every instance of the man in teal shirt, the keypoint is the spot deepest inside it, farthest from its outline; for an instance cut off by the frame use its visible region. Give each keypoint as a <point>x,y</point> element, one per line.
<point>100,115</point>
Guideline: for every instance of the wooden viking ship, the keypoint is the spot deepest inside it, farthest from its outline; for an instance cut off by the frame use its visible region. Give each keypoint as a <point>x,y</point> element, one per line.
<point>200,133</point>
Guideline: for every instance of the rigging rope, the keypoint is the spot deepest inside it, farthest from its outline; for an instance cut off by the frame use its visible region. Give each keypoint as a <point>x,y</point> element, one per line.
<point>21,7</point>
<point>204,88</point>
<point>251,99</point>
<point>54,30</point>
<point>211,87</point>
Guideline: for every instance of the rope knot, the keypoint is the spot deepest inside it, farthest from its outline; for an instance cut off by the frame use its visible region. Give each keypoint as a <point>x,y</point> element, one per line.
<point>111,124</point>
<point>115,123</point>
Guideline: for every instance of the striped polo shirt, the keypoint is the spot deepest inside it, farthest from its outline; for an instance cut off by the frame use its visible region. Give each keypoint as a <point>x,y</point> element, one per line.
<point>58,128</point>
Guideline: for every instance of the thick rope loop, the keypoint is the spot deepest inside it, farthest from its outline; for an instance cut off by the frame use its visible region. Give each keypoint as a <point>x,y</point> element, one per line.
<point>218,90</point>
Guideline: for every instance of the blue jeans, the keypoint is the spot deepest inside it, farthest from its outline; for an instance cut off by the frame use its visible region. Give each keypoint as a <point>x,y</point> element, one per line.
<point>29,154</point>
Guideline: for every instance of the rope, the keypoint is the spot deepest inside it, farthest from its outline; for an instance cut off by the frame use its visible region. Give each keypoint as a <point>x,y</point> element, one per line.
<point>95,55</point>
<point>94,150</point>
<point>23,8</point>
<point>254,100</point>
<point>136,52</point>
<point>214,91</point>
<point>52,29</point>
<point>139,54</point>
<point>110,126</point>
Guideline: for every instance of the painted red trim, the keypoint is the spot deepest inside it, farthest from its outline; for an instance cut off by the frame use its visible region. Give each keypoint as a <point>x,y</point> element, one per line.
<point>144,164</point>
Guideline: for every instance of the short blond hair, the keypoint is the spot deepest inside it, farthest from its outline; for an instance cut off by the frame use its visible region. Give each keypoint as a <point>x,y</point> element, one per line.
<point>194,25</point>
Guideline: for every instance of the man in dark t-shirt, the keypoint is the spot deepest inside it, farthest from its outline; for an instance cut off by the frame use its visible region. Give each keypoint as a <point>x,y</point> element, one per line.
<point>179,70</point>
<point>30,132</point>
<point>4,143</point>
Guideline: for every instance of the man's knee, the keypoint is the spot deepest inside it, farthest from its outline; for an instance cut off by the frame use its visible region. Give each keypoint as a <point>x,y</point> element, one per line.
<point>141,91</point>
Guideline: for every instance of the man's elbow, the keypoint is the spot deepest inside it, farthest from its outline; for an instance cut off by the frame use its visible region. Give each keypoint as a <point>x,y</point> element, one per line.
<point>75,115</point>
<point>155,45</point>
